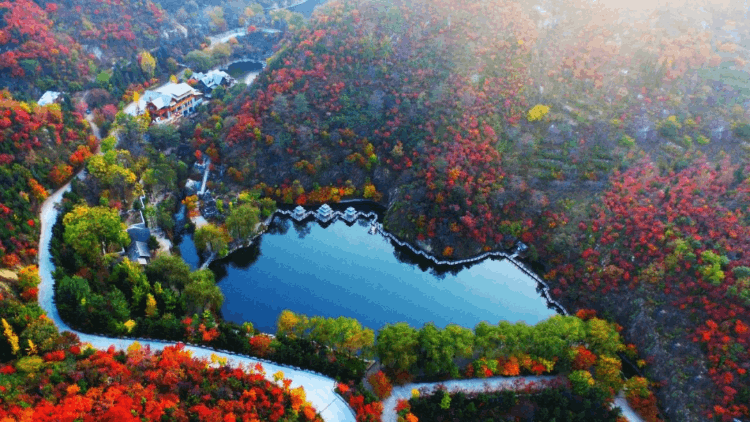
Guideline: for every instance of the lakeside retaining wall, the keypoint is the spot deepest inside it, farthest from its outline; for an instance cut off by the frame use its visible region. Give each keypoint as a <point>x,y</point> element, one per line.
<point>325,214</point>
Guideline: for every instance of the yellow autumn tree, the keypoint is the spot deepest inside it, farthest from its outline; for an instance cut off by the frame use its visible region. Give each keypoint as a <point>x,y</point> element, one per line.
<point>11,336</point>
<point>151,309</point>
<point>608,371</point>
<point>291,324</point>
<point>537,112</point>
<point>148,63</point>
<point>129,325</point>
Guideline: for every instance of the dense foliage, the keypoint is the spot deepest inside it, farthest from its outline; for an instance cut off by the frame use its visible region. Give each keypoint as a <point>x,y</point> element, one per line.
<point>79,383</point>
<point>530,403</point>
<point>39,150</point>
<point>589,133</point>
<point>482,124</point>
<point>585,350</point>
<point>366,406</point>
<point>61,45</point>
<point>676,237</point>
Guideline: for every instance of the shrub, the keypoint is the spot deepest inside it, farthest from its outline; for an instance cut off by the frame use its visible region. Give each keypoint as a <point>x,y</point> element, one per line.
<point>537,112</point>
<point>742,130</point>
<point>641,399</point>
<point>381,385</point>
<point>29,364</point>
<point>669,128</point>
<point>260,345</point>
<point>581,381</point>
<point>584,359</point>
<point>626,141</point>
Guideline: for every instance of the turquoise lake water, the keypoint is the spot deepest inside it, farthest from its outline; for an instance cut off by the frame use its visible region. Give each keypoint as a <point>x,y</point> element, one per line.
<point>343,270</point>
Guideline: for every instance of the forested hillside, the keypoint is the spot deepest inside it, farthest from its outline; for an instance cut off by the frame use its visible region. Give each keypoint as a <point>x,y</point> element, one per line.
<point>610,138</point>
<point>611,142</point>
<point>40,148</point>
<point>77,382</point>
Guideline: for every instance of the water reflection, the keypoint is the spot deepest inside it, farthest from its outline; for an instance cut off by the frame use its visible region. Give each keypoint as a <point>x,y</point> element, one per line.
<point>339,269</point>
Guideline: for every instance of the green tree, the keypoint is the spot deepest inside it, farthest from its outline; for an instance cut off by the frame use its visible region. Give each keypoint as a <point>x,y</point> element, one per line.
<point>116,310</point>
<point>70,295</point>
<point>213,239</point>
<point>199,60</point>
<point>462,339</point>
<point>242,221</point>
<point>396,346</point>
<point>581,381</point>
<point>128,276</point>
<point>555,336</point>
<point>487,340</point>
<point>42,332</point>
<point>292,325</point>
<point>352,337</point>
<point>503,339</point>
<point>202,293</point>
<point>160,177</point>
<point>102,79</point>
<point>439,348</point>
<point>300,103</point>
<point>603,338</point>
<point>342,333</point>
<point>88,230</point>
<point>163,136</point>
<point>323,330</point>
<point>434,358</point>
<point>267,207</point>
<point>110,172</point>
<point>169,270</point>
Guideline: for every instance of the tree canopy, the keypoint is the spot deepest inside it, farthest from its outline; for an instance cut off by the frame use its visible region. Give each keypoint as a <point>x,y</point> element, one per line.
<point>90,231</point>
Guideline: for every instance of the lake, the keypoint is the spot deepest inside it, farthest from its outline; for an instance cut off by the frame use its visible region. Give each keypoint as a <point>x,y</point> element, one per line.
<point>238,69</point>
<point>340,270</point>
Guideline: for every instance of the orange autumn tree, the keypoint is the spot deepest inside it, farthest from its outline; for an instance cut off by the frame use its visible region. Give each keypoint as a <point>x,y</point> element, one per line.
<point>381,385</point>
<point>141,384</point>
<point>31,162</point>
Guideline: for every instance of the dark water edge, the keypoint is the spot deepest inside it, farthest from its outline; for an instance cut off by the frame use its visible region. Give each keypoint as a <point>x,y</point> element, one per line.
<point>241,68</point>
<point>303,267</point>
<point>188,251</point>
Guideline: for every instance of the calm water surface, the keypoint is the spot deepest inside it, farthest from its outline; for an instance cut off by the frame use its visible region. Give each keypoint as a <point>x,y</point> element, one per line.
<point>240,69</point>
<point>343,270</point>
<point>188,251</point>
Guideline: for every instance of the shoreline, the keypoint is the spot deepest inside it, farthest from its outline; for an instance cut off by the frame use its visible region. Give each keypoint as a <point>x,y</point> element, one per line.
<point>309,213</point>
